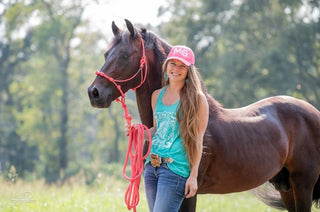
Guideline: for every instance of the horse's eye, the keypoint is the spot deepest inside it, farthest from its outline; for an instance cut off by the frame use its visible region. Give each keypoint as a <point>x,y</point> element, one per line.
<point>123,55</point>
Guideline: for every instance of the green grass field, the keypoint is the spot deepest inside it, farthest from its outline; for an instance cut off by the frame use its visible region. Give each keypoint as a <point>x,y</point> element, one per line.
<point>106,196</point>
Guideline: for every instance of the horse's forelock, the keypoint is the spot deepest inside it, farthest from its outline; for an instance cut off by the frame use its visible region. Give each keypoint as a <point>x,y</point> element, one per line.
<point>115,40</point>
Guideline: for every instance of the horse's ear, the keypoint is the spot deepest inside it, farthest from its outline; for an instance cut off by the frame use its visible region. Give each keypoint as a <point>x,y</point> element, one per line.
<point>115,29</point>
<point>130,28</point>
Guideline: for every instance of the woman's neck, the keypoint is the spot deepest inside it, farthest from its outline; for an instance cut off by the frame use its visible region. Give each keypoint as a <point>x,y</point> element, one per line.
<point>172,94</point>
<point>174,88</point>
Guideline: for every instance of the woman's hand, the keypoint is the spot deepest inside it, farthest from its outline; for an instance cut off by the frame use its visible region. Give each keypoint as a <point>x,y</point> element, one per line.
<point>146,135</point>
<point>191,187</point>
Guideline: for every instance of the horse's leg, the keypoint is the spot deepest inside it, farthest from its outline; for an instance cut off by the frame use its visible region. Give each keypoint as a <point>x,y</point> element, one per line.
<point>189,205</point>
<point>302,187</point>
<point>288,200</point>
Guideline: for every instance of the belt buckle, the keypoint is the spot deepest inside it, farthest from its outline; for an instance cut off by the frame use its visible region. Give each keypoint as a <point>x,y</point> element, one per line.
<point>155,160</point>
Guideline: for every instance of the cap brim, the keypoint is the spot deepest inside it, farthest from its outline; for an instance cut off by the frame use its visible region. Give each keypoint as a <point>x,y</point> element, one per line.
<point>182,60</point>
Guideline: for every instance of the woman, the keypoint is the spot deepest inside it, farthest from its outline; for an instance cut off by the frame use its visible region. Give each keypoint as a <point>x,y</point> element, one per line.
<point>181,113</point>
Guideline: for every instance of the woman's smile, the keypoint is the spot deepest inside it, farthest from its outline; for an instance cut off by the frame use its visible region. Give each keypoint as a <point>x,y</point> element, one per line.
<point>175,74</point>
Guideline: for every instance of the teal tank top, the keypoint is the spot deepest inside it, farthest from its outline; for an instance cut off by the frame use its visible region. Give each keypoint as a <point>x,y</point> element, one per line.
<point>167,142</point>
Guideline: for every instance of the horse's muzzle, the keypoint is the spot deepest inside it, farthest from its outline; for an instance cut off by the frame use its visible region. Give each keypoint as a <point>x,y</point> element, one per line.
<point>100,98</point>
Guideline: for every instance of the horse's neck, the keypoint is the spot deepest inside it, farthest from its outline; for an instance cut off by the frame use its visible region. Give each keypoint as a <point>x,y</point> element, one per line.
<point>143,97</point>
<point>144,108</point>
<point>156,52</point>
<point>144,93</point>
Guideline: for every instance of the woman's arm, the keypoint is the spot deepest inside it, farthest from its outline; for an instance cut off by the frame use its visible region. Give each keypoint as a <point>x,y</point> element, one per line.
<point>152,129</point>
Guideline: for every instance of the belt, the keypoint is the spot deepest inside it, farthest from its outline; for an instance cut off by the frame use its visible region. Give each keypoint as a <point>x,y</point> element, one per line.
<point>156,160</point>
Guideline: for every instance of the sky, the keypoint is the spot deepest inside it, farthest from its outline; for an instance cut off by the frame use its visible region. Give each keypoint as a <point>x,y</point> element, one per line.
<point>101,15</point>
<point>137,11</point>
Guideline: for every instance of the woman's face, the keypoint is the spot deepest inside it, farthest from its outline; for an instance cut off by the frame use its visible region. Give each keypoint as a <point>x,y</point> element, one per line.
<point>177,70</point>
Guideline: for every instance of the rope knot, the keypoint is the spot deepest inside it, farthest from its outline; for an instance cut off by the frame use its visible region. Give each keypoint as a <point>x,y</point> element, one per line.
<point>142,61</point>
<point>128,117</point>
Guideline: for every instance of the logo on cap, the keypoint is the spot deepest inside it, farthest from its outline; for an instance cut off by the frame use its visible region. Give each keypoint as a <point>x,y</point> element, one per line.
<point>182,53</point>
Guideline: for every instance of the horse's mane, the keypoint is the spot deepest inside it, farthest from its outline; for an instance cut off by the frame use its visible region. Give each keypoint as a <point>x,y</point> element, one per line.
<point>160,47</point>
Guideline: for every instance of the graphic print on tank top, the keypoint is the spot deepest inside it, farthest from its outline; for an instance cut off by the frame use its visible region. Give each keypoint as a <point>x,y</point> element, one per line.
<point>166,128</point>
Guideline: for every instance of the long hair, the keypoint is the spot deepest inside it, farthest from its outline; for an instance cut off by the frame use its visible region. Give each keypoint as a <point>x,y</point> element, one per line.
<point>187,113</point>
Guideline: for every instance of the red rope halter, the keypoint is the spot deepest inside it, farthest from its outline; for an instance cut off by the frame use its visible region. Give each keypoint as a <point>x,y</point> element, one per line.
<point>136,138</point>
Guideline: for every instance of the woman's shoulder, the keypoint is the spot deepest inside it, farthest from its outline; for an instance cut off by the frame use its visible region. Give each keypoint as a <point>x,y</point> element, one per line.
<point>155,96</point>
<point>202,96</point>
<point>156,93</point>
<point>203,103</point>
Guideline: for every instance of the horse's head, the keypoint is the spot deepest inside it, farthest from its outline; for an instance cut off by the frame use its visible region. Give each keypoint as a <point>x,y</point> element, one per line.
<point>122,64</point>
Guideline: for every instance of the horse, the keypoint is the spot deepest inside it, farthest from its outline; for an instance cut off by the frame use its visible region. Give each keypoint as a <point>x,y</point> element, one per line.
<point>275,140</point>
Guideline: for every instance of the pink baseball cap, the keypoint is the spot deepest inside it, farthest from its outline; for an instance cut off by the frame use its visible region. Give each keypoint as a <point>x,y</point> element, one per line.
<point>182,53</point>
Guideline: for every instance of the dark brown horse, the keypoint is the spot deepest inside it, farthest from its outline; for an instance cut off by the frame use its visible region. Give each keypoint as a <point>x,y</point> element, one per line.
<point>276,139</point>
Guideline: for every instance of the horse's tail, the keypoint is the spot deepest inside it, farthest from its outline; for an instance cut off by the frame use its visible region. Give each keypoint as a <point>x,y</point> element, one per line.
<point>270,196</point>
<point>316,194</point>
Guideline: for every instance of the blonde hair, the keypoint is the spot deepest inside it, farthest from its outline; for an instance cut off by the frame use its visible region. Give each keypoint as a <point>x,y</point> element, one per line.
<point>187,113</point>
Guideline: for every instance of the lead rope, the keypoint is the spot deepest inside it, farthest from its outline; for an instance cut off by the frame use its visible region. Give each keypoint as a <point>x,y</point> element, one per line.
<point>135,153</point>
<point>135,143</point>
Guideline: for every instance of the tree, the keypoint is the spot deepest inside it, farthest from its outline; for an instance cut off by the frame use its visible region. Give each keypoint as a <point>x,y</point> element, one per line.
<point>15,50</point>
<point>43,94</point>
<point>54,35</point>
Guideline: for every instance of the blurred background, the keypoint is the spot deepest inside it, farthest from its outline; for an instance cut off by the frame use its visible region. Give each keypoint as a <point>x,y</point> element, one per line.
<point>246,50</point>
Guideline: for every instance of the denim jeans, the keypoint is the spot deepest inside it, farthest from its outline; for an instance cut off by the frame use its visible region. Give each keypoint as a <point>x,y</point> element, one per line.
<point>164,189</point>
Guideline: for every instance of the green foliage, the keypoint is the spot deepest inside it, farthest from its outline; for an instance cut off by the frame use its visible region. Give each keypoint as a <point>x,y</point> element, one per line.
<point>248,50</point>
<point>43,112</point>
<point>15,49</point>
<point>17,14</point>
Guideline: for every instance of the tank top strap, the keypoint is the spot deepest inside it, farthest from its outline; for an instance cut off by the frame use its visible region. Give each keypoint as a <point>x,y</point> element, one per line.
<point>159,100</point>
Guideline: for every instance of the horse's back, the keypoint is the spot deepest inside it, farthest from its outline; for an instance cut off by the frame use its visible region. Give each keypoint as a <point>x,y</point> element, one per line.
<point>299,119</point>
<point>293,113</point>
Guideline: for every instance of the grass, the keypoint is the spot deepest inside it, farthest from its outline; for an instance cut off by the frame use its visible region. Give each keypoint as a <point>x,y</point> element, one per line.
<point>105,196</point>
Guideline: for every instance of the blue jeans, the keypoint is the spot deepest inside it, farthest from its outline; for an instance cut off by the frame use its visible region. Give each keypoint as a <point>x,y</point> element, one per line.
<point>164,189</point>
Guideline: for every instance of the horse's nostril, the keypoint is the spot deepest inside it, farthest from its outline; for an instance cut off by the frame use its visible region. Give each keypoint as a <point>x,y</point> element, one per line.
<point>95,93</point>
